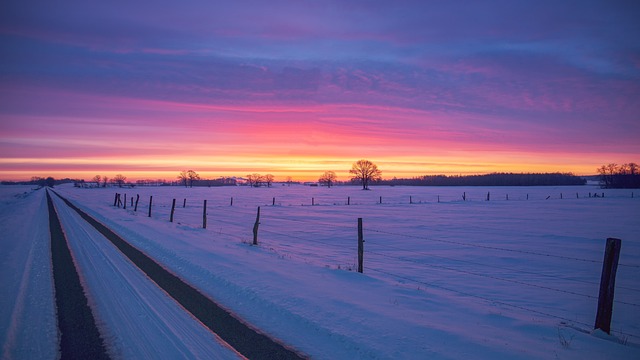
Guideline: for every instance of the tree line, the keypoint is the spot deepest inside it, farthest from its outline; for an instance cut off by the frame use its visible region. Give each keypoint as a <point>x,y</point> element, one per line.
<point>614,176</point>
<point>493,179</point>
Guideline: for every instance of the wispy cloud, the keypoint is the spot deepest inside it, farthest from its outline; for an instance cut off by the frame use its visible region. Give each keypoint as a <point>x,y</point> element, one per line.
<point>499,85</point>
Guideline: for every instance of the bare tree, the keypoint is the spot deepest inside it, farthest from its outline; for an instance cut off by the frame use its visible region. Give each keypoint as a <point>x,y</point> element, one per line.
<point>105,179</point>
<point>184,177</point>
<point>119,180</point>
<point>289,180</point>
<point>268,179</point>
<point>192,175</point>
<point>96,179</point>
<point>187,177</point>
<point>255,180</point>
<point>328,178</point>
<point>365,171</point>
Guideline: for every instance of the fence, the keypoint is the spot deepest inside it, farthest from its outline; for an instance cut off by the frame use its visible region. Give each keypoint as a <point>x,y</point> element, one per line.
<point>558,282</point>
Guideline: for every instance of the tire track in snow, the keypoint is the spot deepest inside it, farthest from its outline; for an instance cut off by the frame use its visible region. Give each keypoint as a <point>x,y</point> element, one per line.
<point>79,335</point>
<point>247,341</point>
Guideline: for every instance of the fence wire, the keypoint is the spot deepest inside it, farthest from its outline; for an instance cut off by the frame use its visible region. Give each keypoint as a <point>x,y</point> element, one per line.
<point>243,217</point>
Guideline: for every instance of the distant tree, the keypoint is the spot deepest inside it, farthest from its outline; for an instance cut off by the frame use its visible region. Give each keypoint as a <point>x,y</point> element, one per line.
<point>268,179</point>
<point>105,179</point>
<point>184,177</point>
<point>119,180</point>
<point>328,178</point>
<point>49,181</point>
<point>289,180</point>
<point>187,177</point>
<point>37,180</point>
<point>255,180</point>
<point>364,171</point>
<point>192,175</point>
<point>623,176</point>
<point>96,179</point>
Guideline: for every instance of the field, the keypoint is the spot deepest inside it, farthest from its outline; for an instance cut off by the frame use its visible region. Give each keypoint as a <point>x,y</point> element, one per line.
<point>444,277</point>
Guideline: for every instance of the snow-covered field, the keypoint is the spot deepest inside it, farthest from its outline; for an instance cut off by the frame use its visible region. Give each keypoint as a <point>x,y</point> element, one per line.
<point>508,279</point>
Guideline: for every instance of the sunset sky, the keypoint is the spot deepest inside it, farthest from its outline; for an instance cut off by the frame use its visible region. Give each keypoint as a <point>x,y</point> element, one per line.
<point>296,88</point>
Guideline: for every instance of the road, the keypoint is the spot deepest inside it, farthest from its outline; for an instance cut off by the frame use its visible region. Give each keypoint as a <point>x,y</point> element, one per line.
<point>133,297</point>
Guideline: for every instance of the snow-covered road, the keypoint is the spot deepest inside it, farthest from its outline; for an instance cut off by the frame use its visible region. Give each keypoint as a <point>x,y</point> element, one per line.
<point>437,283</point>
<point>129,305</point>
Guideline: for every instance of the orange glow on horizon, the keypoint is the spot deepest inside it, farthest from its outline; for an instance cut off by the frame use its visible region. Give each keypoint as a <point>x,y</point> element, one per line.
<point>300,141</point>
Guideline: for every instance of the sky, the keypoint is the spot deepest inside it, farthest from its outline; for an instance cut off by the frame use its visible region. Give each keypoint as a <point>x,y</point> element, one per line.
<point>297,88</point>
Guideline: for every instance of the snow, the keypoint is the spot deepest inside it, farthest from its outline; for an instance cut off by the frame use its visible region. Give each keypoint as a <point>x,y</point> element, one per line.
<point>129,305</point>
<point>27,311</point>
<point>513,279</point>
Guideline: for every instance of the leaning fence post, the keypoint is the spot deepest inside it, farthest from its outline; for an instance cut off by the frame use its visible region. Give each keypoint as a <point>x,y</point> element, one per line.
<point>607,285</point>
<point>150,203</point>
<point>360,245</point>
<point>173,209</point>
<point>137,199</point>
<point>204,215</point>
<point>125,202</point>
<point>255,228</point>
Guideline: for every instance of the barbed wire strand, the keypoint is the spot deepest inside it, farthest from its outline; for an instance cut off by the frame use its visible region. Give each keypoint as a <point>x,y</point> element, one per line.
<point>490,300</point>
<point>495,248</point>
<point>514,270</point>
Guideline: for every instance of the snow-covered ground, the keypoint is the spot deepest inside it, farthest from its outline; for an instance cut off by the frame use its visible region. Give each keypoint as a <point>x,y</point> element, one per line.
<point>513,279</point>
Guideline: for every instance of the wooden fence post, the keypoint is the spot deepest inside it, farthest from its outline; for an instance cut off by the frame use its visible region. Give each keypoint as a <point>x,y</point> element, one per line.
<point>348,200</point>
<point>464,196</point>
<point>150,203</point>
<point>438,198</point>
<point>488,196</point>
<point>313,201</point>
<point>255,228</point>
<point>380,199</point>
<point>273,203</point>
<point>204,215</point>
<point>115,200</point>
<point>607,285</point>
<point>132,201</point>
<point>137,199</point>
<point>173,209</point>
<point>184,203</point>
<point>410,199</point>
<point>125,202</point>
<point>507,196</point>
<point>360,246</point>
<point>560,195</point>
<point>231,201</point>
